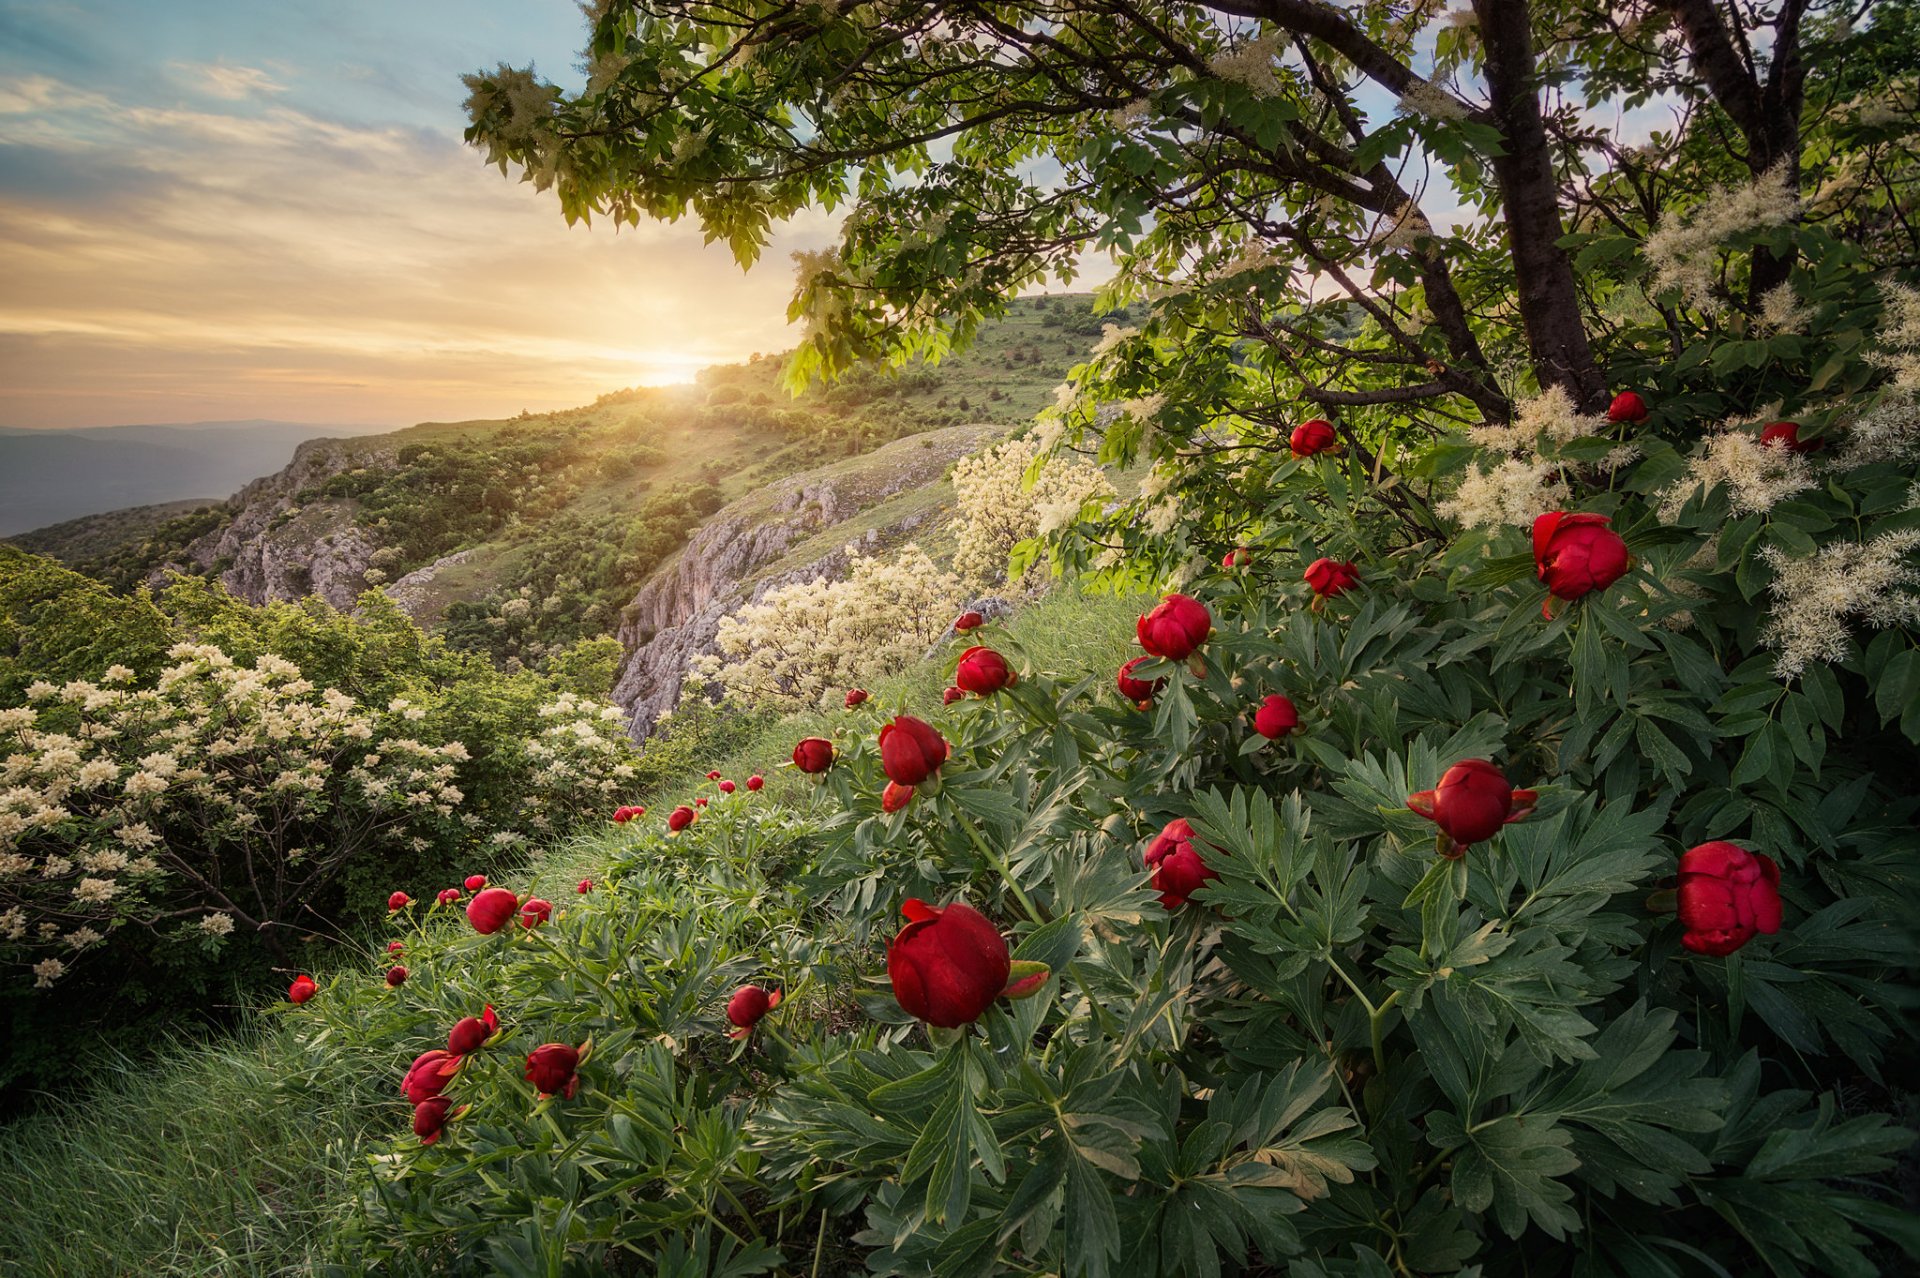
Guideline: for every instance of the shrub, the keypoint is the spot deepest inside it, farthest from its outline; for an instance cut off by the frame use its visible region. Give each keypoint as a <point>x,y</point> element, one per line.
<point>1010,493</point>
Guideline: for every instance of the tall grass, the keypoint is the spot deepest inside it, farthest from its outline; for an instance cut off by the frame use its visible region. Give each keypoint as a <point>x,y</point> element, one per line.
<point>227,1156</point>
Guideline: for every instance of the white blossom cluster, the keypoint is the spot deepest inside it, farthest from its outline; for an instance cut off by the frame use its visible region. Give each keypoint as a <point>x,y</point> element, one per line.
<point>1756,475</point>
<point>1251,65</point>
<point>114,799</point>
<point>995,508</point>
<point>1841,582</point>
<point>579,763</point>
<point>1527,481</point>
<point>1683,254</point>
<point>805,644</point>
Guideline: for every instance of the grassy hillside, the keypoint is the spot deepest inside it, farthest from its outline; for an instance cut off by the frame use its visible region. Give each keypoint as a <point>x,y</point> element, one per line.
<point>93,537</point>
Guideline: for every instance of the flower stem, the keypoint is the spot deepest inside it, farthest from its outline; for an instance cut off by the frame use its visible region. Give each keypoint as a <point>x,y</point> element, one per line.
<point>994,860</point>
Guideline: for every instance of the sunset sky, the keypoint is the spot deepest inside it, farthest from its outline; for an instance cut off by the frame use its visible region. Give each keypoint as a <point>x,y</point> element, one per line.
<point>219,209</point>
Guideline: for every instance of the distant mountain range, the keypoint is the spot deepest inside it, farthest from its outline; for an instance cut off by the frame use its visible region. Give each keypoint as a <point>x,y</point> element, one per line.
<point>49,476</point>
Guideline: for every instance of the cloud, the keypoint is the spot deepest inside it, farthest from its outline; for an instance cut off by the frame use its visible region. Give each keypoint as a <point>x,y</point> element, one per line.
<point>226,82</point>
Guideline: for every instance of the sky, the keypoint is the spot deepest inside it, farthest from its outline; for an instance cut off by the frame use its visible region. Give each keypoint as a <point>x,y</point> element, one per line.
<point>225,209</point>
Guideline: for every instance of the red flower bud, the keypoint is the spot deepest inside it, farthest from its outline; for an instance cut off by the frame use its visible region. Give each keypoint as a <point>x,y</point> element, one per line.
<point>968,621</point>
<point>396,976</point>
<point>1627,407</point>
<point>1235,558</point>
<point>490,910</point>
<point>398,901</point>
<point>855,696</point>
<point>1727,895</point>
<point>395,947</point>
<point>1330,577</point>
<point>748,1004</point>
<point>1139,691</point>
<point>622,815</point>
<point>911,750</point>
<point>947,965</point>
<point>586,886</point>
<point>553,1069</point>
<point>1312,437</point>
<point>471,1032</point>
<point>1177,625</point>
<point>755,781</point>
<point>680,818</point>
<point>302,989</point>
<point>895,797</point>
<point>430,1118</point>
<point>952,695</point>
<point>1276,717</point>
<point>1471,803</point>
<point>535,912</point>
<point>429,1075</point>
<point>700,802</point>
<point>1787,435</point>
<point>726,787</point>
<point>447,896</point>
<point>1577,553</point>
<point>475,882</point>
<point>713,776</point>
<point>1177,866</point>
<point>814,754</point>
<point>983,672</point>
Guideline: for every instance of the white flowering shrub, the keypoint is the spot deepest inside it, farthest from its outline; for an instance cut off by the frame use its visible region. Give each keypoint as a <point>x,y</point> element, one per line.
<point>807,643</point>
<point>1012,492</point>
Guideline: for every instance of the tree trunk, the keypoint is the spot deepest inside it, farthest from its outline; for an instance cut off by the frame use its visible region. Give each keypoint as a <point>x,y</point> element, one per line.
<point>1549,300</point>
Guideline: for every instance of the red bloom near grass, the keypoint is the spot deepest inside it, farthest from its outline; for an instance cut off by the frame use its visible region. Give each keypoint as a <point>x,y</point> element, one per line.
<point>747,1006</point>
<point>535,912</point>
<point>1330,577</point>
<point>490,910</point>
<point>755,781</point>
<point>1139,691</point>
<point>469,1033</point>
<point>1276,717</point>
<point>1627,407</point>
<point>626,813</point>
<point>968,621</point>
<point>396,947</point>
<point>813,755</point>
<point>983,672</point>
<point>553,1069</point>
<point>1787,435</point>
<point>952,695</point>
<point>1471,803</point>
<point>1311,438</point>
<point>855,696</point>
<point>911,750</point>
<point>1577,553</point>
<point>396,976</point>
<point>429,1075</point>
<point>1176,864</point>
<point>302,989</point>
<point>398,901</point>
<point>1727,896</point>
<point>680,818</point>
<point>1177,625</point>
<point>1237,558</point>
<point>475,882</point>
<point>447,896</point>
<point>430,1118</point>
<point>895,797</point>
<point>947,965</point>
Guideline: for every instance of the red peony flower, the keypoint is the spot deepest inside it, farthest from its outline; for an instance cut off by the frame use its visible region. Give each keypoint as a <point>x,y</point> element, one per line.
<point>1727,895</point>
<point>713,776</point>
<point>895,797</point>
<point>983,672</point>
<point>398,901</point>
<point>470,1033</point>
<point>429,1075</point>
<point>855,696</point>
<point>726,787</point>
<point>1276,717</point>
<point>535,912</point>
<point>302,989</point>
<point>1177,866</point>
<point>1139,691</point>
<point>968,621</point>
<point>1236,558</point>
<point>1330,577</point>
<point>447,896</point>
<point>680,818</point>
<point>1627,407</point>
<point>586,886</point>
<point>1577,553</point>
<point>947,965</point>
<point>1177,625</point>
<point>430,1118</point>
<point>622,815</point>
<point>553,1069</point>
<point>1471,803</point>
<point>755,781</point>
<point>952,695</point>
<point>911,750</point>
<point>814,754</point>
<point>396,947</point>
<point>475,882</point>
<point>396,976</point>
<point>748,1004</point>
<point>700,802</point>
<point>1787,436</point>
<point>490,910</point>
<point>1312,437</point>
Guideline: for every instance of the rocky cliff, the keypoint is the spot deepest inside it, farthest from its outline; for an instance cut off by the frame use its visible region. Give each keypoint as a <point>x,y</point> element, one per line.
<point>779,535</point>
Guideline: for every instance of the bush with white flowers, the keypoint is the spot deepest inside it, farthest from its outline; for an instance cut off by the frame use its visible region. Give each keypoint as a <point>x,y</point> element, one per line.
<point>1010,493</point>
